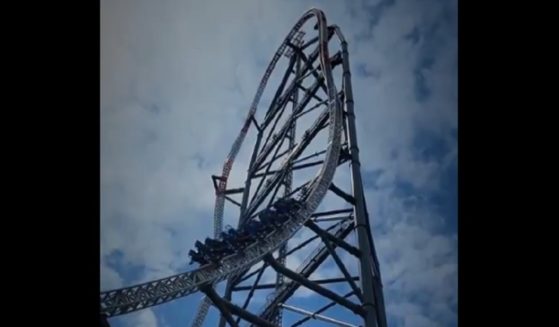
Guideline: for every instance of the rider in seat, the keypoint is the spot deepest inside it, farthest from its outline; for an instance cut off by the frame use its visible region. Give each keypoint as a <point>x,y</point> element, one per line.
<point>246,234</point>
<point>266,216</point>
<point>197,257</point>
<point>282,206</point>
<point>219,248</point>
<point>201,247</point>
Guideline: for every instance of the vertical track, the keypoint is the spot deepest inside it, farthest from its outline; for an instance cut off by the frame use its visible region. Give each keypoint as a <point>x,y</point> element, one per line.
<point>222,186</point>
<point>288,185</point>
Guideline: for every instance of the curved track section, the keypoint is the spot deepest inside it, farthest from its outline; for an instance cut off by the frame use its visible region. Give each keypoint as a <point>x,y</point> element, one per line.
<point>133,298</point>
<point>316,257</point>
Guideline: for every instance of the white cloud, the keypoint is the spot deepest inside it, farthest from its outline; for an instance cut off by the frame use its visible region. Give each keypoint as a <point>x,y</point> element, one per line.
<point>144,318</point>
<point>110,279</point>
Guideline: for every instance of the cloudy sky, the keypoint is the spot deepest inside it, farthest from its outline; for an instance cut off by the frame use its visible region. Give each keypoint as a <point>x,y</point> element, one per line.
<point>177,78</point>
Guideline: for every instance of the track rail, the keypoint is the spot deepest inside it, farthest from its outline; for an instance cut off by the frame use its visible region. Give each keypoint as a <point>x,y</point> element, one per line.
<point>137,297</point>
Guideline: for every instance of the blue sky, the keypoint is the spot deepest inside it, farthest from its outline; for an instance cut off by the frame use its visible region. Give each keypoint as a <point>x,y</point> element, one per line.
<point>177,78</point>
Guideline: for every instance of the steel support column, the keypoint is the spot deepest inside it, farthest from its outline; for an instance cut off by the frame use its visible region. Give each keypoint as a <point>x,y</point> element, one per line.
<point>370,286</point>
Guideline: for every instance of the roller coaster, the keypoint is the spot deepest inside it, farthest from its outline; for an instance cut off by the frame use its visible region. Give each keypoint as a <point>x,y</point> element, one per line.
<point>272,210</point>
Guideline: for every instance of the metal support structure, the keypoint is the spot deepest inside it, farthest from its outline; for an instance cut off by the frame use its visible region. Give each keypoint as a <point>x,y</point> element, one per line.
<point>232,201</point>
<point>220,304</point>
<point>319,220</point>
<point>327,140</point>
<point>327,236</point>
<point>331,212</point>
<point>227,307</point>
<point>306,269</point>
<point>307,165</point>
<point>343,269</point>
<point>234,191</point>
<point>317,316</point>
<point>317,281</point>
<point>296,248</point>
<point>246,315</point>
<point>313,286</point>
<point>324,308</point>
<point>277,104</point>
<point>277,319</point>
<point>350,199</point>
<point>253,288</point>
<point>371,287</point>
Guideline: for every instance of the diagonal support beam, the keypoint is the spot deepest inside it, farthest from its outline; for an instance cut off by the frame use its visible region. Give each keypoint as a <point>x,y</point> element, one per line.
<point>310,239</point>
<point>305,270</point>
<point>316,154</point>
<point>214,180</point>
<point>232,201</point>
<point>309,93</point>
<point>309,65</point>
<point>316,316</point>
<point>296,248</point>
<point>341,193</point>
<point>247,276</point>
<point>325,235</point>
<point>343,268</point>
<point>220,304</point>
<point>273,105</point>
<point>267,188</point>
<point>324,308</point>
<point>313,286</point>
<point>269,163</point>
<point>310,42</point>
<point>255,123</point>
<point>254,287</point>
<point>312,93</point>
<point>230,307</point>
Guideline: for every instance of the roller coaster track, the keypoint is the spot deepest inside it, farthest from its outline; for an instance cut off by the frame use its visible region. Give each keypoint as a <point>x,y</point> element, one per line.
<point>137,297</point>
<point>233,267</point>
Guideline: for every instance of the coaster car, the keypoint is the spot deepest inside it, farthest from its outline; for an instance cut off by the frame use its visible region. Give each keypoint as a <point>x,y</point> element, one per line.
<point>285,205</point>
<point>197,257</point>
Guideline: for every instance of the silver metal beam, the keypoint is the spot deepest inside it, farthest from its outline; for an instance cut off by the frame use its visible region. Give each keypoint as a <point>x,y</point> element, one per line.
<point>318,281</point>
<point>324,308</point>
<point>371,287</point>
<point>343,269</point>
<point>220,304</point>
<point>316,316</point>
<point>318,220</point>
<point>306,269</point>
<point>331,212</point>
<point>232,201</point>
<point>252,288</point>
<point>325,235</point>
<point>336,190</point>
<point>313,286</point>
<point>298,247</point>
